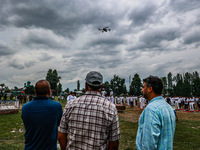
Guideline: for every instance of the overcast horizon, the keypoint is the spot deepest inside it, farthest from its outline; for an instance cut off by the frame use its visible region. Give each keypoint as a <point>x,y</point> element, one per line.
<point>147,37</point>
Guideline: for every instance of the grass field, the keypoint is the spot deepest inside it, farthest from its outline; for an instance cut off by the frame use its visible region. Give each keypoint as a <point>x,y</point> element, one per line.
<point>187,134</point>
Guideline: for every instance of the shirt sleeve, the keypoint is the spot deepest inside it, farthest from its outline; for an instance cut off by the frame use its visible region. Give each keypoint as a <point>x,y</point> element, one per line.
<point>60,114</point>
<point>114,133</point>
<point>63,128</point>
<point>150,132</point>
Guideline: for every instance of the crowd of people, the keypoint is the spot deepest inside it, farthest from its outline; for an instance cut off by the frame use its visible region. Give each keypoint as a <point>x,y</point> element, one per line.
<point>178,103</point>
<point>184,103</point>
<point>91,121</point>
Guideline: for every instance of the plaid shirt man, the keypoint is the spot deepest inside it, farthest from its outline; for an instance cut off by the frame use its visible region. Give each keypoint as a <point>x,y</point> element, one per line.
<point>90,121</point>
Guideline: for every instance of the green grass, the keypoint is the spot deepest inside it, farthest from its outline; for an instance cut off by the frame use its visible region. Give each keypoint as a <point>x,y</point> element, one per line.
<point>128,131</point>
<point>187,134</point>
<point>11,140</point>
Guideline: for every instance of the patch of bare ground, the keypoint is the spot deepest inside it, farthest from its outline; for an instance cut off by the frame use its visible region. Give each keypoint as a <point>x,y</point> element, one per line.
<point>182,115</point>
<point>133,114</point>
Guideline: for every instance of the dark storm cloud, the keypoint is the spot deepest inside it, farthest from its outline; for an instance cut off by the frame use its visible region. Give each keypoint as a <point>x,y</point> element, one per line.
<point>162,67</point>
<point>158,35</point>
<point>94,59</point>
<point>19,65</point>
<point>38,40</point>
<point>16,65</point>
<point>192,37</point>
<point>29,64</point>
<point>184,5</point>
<point>65,18</point>
<point>45,57</point>
<point>142,14</point>
<point>106,44</point>
<point>5,50</point>
<point>151,39</point>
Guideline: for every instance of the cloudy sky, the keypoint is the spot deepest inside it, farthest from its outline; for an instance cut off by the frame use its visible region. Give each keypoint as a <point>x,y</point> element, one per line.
<point>147,37</point>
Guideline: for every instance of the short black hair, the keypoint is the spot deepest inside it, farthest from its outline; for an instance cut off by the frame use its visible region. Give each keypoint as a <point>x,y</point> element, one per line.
<point>155,83</point>
<point>94,87</point>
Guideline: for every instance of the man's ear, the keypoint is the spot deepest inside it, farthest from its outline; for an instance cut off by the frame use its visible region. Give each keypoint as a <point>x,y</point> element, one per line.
<point>86,86</point>
<point>150,89</point>
<point>49,92</point>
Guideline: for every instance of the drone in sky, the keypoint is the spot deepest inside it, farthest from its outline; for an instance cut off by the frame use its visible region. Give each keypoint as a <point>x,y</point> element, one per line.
<point>105,29</point>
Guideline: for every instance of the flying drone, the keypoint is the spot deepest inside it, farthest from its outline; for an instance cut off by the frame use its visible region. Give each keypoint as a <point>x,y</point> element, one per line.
<point>105,29</point>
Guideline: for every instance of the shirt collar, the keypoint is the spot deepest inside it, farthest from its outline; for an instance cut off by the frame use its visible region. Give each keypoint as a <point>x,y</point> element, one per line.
<point>41,98</point>
<point>92,93</point>
<point>156,98</point>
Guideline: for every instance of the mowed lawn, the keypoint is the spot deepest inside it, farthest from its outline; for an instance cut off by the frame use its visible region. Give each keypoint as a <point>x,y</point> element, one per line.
<point>187,134</point>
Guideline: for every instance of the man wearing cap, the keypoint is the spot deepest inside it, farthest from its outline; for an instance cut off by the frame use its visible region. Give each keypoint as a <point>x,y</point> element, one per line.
<point>90,121</point>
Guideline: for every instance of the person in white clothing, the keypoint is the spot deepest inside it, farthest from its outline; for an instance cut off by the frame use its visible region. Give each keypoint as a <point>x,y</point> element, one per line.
<point>111,96</point>
<point>142,102</point>
<point>191,104</point>
<point>103,93</point>
<point>176,103</point>
<point>71,96</point>
<point>127,100</point>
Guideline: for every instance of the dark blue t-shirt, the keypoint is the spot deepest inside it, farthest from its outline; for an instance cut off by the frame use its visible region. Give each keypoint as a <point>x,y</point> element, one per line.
<point>41,118</point>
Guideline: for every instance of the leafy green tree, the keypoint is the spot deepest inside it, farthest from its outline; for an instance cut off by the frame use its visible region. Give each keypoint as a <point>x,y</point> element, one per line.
<point>106,86</point>
<point>187,85</point>
<point>2,85</point>
<point>67,90</point>
<point>196,84</point>
<point>83,90</point>
<point>135,87</point>
<point>164,80</point>
<point>30,90</point>
<point>15,88</point>
<point>170,86</point>
<point>53,78</point>
<point>78,85</point>
<point>59,88</point>
<point>7,90</point>
<point>178,88</point>
<point>118,85</point>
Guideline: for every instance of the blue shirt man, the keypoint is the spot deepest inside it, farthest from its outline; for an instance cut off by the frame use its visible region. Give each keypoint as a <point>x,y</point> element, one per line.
<point>157,121</point>
<point>41,118</point>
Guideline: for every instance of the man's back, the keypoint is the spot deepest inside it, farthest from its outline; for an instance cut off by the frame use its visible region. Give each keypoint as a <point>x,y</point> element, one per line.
<point>41,118</point>
<point>90,121</point>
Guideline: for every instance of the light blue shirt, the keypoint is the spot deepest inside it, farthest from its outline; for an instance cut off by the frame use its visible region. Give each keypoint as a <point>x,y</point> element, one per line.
<point>156,126</point>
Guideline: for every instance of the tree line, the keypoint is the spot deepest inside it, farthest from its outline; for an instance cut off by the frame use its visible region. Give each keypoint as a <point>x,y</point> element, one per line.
<point>186,84</point>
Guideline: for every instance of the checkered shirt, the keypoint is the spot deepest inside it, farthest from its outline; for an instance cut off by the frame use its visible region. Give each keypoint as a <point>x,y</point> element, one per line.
<point>90,122</point>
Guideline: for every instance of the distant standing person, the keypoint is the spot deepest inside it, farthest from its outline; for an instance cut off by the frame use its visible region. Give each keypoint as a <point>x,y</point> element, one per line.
<point>41,117</point>
<point>90,122</point>
<point>103,93</point>
<point>111,96</point>
<point>69,97</point>
<point>157,121</point>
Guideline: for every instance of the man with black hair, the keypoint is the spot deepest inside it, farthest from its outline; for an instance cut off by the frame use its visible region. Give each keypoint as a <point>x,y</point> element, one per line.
<point>157,121</point>
<point>90,121</point>
<point>41,118</point>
